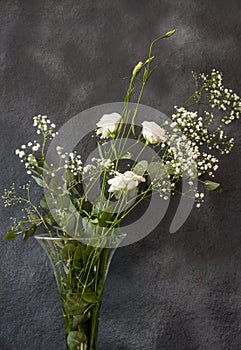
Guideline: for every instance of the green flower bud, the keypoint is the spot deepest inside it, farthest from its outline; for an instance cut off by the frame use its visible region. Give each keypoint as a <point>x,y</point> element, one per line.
<point>137,68</point>
<point>149,60</point>
<point>168,34</point>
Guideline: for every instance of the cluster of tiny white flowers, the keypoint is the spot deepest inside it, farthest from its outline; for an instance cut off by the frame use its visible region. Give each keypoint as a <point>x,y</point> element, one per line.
<point>29,159</point>
<point>72,161</point>
<point>103,163</point>
<point>10,195</point>
<point>44,126</point>
<point>163,187</point>
<point>220,97</point>
<point>34,146</point>
<point>207,163</point>
<point>181,155</point>
<point>97,166</point>
<point>89,168</point>
<point>199,198</point>
<point>195,127</point>
<point>74,164</point>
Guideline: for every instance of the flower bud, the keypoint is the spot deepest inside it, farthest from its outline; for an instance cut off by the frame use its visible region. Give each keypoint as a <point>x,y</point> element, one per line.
<point>168,34</point>
<point>137,68</point>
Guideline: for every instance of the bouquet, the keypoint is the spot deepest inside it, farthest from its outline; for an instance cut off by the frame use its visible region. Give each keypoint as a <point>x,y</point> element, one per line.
<point>79,230</point>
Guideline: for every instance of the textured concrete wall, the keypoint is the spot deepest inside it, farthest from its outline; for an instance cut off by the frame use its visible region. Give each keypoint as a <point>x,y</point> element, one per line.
<point>170,292</point>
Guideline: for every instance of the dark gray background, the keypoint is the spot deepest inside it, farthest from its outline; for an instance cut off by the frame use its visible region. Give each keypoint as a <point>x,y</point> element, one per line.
<point>180,291</point>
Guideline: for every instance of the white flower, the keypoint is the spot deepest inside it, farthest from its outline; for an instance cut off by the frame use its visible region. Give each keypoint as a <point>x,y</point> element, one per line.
<point>36,147</point>
<point>153,133</point>
<point>108,124</point>
<point>125,182</point>
<point>21,154</point>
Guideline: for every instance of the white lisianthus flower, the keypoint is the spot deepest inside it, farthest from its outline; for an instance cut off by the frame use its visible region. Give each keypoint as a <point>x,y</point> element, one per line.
<point>108,125</point>
<point>153,133</point>
<point>125,182</point>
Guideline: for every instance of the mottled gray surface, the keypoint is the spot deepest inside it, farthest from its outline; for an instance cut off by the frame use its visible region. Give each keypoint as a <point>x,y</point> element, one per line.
<point>168,292</point>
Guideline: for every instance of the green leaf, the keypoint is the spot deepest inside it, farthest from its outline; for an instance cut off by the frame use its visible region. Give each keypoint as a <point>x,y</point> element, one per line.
<point>90,297</point>
<point>94,221</point>
<point>157,170</point>
<point>43,204</point>
<point>141,167</point>
<point>50,220</point>
<point>29,232</point>
<point>68,251</point>
<point>212,186</point>
<point>68,176</point>
<point>75,338</point>
<point>88,226</point>
<point>78,320</point>
<point>38,180</point>
<point>78,257</point>
<point>73,304</point>
<point>9,236</point>
<point>127,155</point>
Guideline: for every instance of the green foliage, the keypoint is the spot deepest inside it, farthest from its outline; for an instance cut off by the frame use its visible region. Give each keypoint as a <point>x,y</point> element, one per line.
<point>141,167</point>
<point>212,186</point>
<point>90,297</point>
<point>38,180</point>
<point>75,338</point>
<point>9,236</point>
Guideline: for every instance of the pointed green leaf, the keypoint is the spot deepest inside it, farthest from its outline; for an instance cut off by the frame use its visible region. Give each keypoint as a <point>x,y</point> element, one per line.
<point>90,297</point>
<point>38,180</point>
<point>127,155</point>
<point>78,320</point>
<point>9,236</point>
<point>29,232</point>
<point>43,203</point>
<point>213,186</point>
<point>141,167</point>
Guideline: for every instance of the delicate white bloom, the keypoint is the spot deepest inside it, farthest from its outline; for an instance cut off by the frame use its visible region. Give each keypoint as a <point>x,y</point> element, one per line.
<point>21,154</point>
<point>108,124</point>
<point>88,167</point>
<point>153,133</point>
<point>36,147</point>
<point>125,182</point>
